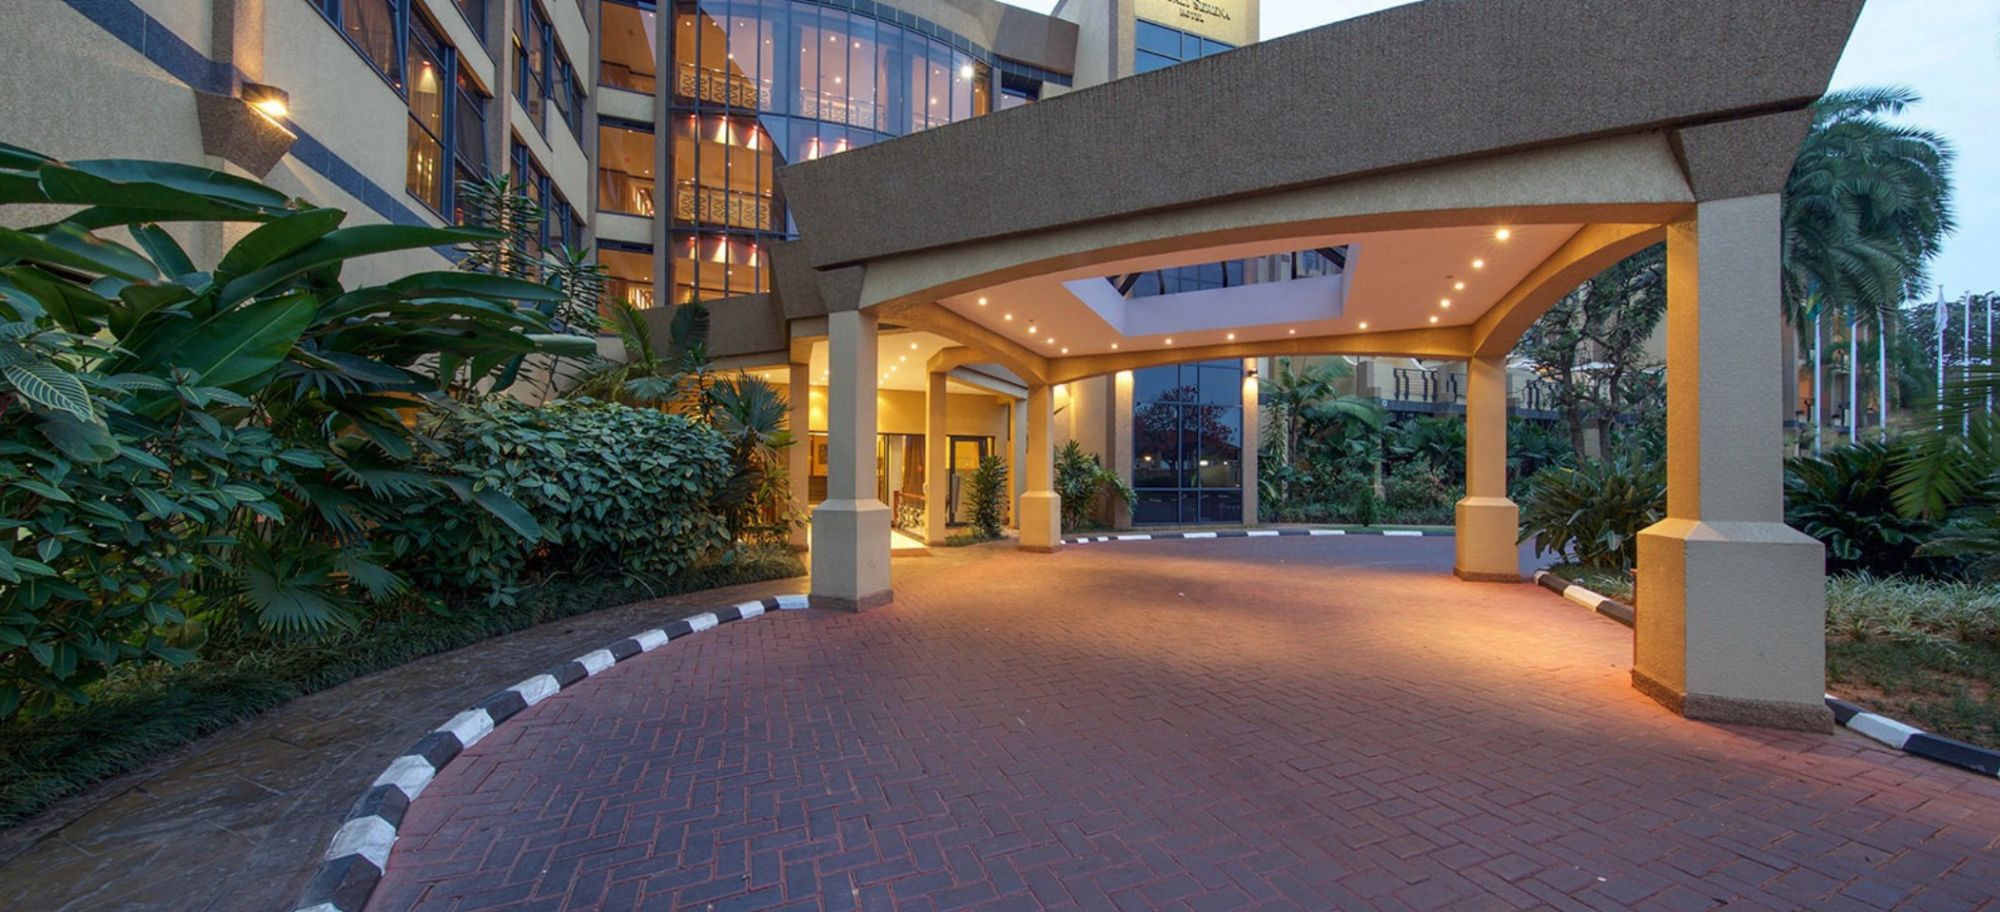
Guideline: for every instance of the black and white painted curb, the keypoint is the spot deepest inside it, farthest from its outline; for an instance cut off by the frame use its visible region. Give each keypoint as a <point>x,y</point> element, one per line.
<point>1602,604</point>
<point>1911,740</point>
<point>353,864</point>
<point>1251,533</point>
<point>1905,738</point>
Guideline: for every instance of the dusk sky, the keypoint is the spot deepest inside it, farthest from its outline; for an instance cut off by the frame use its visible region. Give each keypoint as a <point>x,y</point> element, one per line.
<point>1948,50</point>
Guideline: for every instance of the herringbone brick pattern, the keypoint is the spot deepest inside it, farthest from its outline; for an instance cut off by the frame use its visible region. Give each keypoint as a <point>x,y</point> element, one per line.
<point>1250,724</point>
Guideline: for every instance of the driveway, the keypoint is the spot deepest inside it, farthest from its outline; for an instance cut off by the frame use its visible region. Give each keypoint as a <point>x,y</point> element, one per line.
<point>1214,724</point>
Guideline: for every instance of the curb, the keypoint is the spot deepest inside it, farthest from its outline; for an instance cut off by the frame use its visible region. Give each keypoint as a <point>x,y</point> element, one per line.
<point>1602,604</point>
<point>359,853</point>
<point>1874,726</point>
<point>1249,533</point>
<point>1911,740</point>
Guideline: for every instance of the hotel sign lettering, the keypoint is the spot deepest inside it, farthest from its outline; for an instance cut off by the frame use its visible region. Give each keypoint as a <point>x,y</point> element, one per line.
<point>1227,21</point>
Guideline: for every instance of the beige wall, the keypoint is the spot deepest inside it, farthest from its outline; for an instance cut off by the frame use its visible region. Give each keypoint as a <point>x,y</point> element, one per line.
<point>902,412</point>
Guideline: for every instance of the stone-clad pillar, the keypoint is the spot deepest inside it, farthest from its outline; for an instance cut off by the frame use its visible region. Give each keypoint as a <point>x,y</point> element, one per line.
<point>798,459</point>
<point>1041,506</point>
<point>937,486</point>
<point>850,553</point>
<point>1731,601</point>
<point>1488,523</point>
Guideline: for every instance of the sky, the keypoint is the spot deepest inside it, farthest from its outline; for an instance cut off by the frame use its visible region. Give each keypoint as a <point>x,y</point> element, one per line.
<point>1947,50</point>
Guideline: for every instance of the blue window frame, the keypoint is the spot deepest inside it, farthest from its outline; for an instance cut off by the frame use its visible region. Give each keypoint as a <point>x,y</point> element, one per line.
<point>1158,47</point>
<point>376,29</point>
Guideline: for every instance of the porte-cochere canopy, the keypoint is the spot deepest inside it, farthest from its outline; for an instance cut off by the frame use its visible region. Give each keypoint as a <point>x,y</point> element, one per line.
<point>1468,161</point>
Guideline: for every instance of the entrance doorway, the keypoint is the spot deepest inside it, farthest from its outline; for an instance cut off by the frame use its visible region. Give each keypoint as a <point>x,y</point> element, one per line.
<point>965,455</point>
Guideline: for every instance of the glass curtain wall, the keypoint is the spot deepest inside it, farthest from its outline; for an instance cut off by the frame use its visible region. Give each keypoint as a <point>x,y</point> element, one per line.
<point>1187,443</point>
<point>757,83</point>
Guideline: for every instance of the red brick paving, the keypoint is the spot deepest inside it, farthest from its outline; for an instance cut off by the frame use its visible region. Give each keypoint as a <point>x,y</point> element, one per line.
<point>1228,724</point>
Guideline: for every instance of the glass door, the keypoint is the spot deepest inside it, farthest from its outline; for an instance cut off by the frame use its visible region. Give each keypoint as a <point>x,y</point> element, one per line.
<point>965,454</point>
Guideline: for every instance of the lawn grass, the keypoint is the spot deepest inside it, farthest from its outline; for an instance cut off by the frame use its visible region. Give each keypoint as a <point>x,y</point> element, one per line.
<point>140,715</point>
<point>1920,651</point>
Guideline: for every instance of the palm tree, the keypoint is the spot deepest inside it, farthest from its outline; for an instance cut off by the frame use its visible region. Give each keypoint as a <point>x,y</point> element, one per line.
<point>1867,205</point>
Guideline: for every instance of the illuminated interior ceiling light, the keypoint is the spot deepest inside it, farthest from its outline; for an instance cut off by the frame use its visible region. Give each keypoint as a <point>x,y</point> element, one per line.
<point>1114,346</point>
<point>1502,234</point>
<point>1232,337</point>
<point>1434,319</point>
<point>1364,324</point>
<point>1170,341</point>
<point>902,358</point>
<point>1009,317</point>
<point>965,71</point>
<point>1458,286</point>
<point>913,346</point>
<point>271,101</point>
<point>1050,340</point>
<point>1291,332</point>
<point>1444,302</point>
<point>1065,350</point>
<point>1032,330</point>
<point>1479,264</point>
<point>982,302</point>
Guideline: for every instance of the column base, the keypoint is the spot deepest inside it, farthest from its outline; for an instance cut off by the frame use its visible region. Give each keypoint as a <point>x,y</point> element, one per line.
<point>1734,628</point>
<point>1811,717</point>
<point>853,605</point>
<point>850,554</point>
<point>1487,539</point>
<point>1041,522</point>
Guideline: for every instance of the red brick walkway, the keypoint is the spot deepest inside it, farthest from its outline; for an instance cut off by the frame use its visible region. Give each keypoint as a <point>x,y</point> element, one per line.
<point>1231,724</point>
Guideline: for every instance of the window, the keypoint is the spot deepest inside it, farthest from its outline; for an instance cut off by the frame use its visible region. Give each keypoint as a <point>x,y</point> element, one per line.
<point>626,51</point>
<point>468,136</point>
<point>425,176</point>
<point>560,225</point>
<point>475,12</point>
<point>625,168</point>
<point>371,25</point>
<point>1187,443</point>
<point>531,63</point>
<point>1159,47</point>
<point>628,274</point>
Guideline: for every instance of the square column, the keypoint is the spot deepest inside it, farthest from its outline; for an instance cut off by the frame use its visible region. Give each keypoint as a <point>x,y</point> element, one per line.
<point>1731,601</point>
<point>937,485</point>
<point>850,548</point>
<point>1252,437</point>
<point>1489,524</point>
<point>1041,506</point>
<point>798,458</point>
<point>1017,460</point>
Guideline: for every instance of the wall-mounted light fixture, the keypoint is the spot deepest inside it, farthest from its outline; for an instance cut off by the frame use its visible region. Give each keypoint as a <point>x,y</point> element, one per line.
<point>269,100</point>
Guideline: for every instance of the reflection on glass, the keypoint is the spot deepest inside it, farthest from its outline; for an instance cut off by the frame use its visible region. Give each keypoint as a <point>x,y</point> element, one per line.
<point>628,276</point>
<point>627,52</point>
<point>1187,443</point>
<point>371,25</point>
<point>424,167</point>
<point>624,169</point>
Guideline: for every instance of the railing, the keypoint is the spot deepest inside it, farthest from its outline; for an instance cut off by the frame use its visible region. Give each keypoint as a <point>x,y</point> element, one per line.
<point>620,76</point>
<point>1538,395</point>
<point>618,191</point>
<point>717,206</point>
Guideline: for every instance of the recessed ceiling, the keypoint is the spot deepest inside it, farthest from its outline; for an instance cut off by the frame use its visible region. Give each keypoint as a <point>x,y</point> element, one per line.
<point>1396,280</point>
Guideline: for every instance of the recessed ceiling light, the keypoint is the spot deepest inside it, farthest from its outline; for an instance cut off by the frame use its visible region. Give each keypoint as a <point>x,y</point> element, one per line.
<point>1114,346</point>
<point>913,346</point>
<point>1502,234</point>
<point>1010,316</point>
<point>1170,341</point>
<point>1458,286</point>
<point>1434,319</point>
<point>1364,324</point>
<point>1232,337</point>
<point>1065,350</point>
<point>1050,340</point>
<point>1032,330</point>
<point>1444,302</point>
<point>982,302</point>
<point>902,357</point>
<point>1479,264</point>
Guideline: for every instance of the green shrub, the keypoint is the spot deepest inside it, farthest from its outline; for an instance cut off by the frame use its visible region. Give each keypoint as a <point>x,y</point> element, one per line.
<point>1947,615</point>
<point>986,496</point>
<point>1419,493</point>
<point>1083,482</point>
<point>613,489</point>
<point>1593,513</point>
<point>1436,440</point>
<point>1846,499</point>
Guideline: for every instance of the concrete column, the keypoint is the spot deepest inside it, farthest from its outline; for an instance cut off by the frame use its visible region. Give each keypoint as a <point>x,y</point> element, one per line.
<point>937,487</point>
<point>1121,443</point>
<point>1041,506</point>
<point>1017,460</point>
<point>1732,602</point>
<point>798,459</point>
<point>850,554</point>
<point>1488,523</point>
<point>1252,435</point>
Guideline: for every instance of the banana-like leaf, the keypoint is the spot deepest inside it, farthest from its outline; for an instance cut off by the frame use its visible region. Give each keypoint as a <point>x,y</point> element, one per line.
<point>75,249</point>
<point>141,300</point>
<point>165,251</point>
<point>476,284</point>
<point>564,345</point>
<point>229,348</point>
<point>155,184</point>
<point>342,245</point>
<point>278,238</point>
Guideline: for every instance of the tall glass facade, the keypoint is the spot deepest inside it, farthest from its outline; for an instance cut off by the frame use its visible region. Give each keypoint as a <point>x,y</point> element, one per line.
<point>754,84</point>
<point>1187,443</point>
